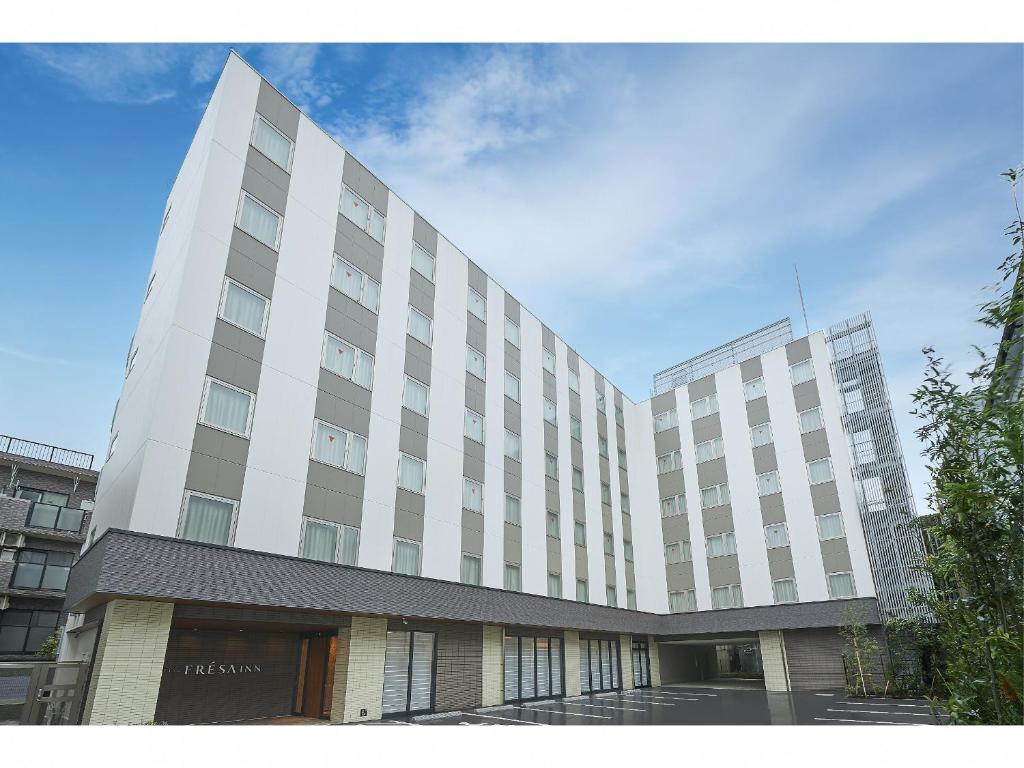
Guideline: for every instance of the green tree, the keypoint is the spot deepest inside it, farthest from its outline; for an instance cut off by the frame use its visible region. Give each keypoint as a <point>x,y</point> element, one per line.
<point>49,646</point>
<point>860,654</point>
<point>973,443</point>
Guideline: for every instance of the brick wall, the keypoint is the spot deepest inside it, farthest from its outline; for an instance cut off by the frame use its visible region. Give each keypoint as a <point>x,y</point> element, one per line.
<point>28,478</point>
<point>14,516</point>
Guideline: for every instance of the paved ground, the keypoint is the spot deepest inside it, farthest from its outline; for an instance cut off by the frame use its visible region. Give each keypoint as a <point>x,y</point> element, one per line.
<point>679,705</point>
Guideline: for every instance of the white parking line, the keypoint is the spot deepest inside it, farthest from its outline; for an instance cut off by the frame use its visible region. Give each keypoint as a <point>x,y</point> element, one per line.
<point>864,722</point>
<point>882,712</point>
<point>648,697</point>
<point>506,719</point>
<point>681,693</point>
<point>603,706</point>
<point>883,704</point>
<point>562,712</point>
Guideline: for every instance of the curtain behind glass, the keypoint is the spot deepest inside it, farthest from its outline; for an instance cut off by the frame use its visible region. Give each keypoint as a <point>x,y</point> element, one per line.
<point>470,569</point>
<point>244,308</point>
<point>364,371</point>
<point>329,444</point>
<point>410,474</point>
<point>472,493</point>
<point>320,541</point>
<point>349,545</point>
<point>259,222</point>
<point>415,397</point>
<point>357,454</point>
<point>348,279</point>
<point>207,520</point>
<point>355,209</point>
<point>407,558</point>
<point>271,143</point>
<point>227,408</point>
<point>339,357</point>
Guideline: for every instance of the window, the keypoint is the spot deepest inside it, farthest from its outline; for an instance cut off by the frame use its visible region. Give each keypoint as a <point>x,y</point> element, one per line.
<point>705,406</point>
<point>335,446</point>
<point>606,494</point>
<point>579,533</point>
<point>412,473</point>
<point>345,360</point>
<point>553,526</point>
<point>620,419</point>
<point>44,497</point>
<point>840,585</point>
<point>830,526</point>
<point>226,407</point>
<point>551,466</point>
<point>207,519</point>
<point>423,261</point>
<point>709,450</point>
<point>329,542</point>
<point>131,361</point>
<point>714,496</point>
<point>472,495</point>
<point>472,569</point>
<point>113,445</point>
<point>682,602</point>
<point>761,435</point>
<point>26,631</point>
<point>36,569</point>
<point>819,471</point>
<point>622,458</point>
<point>243,308</point>
<point>259,221</point>
<point>577,479</point>
<point>512,335</point>
<point>673,505</point>
<point>600,402</point>
<point>513,509</point>
<point>610,596</point>
<point>678,552</point>
<point>776,536</point>
<point>631,599</point>
<point>768,483</point>
<point>513,446</point>
<point>575,428</point>
<point>549,361</point>
<point>582,592</point>
<point>784,591</point>
<point>574,381</point>
<point>273,144</point>
<point>670,462</point>
<point>801,372</point>
<point>355,284</point>
<point>721,545</point>
<point>476,363</point>
<point>513,582</point>
<point>55,517</point>
<point>554,585</point>
<point>609,544</point>
<point>550,412</point>
<point>729,596</point>
<point>421,327</point>
<point>477,305</point>
<point>167,216</point>
<point>810,420</point>
<point>416,396</point>
<point>627,550</point>
<point>511,387</point>
<point>753,389</point>
<point>602,446</point>
<point>363,215</point>
<point>666,420</point>
<point>474,426</point>
<point>624,503</point>
<point>406,557</point>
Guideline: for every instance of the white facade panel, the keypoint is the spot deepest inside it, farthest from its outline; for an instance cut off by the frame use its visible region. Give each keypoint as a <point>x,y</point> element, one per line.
<point>695,517</point>
<point>565,492</point>
<point>534,507</point>
<point>648,547</point>
<point>591,484</point>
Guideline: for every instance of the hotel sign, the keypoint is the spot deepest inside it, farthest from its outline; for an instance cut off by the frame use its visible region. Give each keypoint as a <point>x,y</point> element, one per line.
<point>215,668</point>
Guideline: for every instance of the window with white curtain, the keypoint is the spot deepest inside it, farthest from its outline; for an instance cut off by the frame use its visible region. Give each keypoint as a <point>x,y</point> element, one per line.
<point>422,261</point>
<point>355,284</point>
<point>511,386</point>
<point>243,308</point>
<point>666,420</point>
<point>622,457</point>
<point>346,360</point>
<point>753,389</point>
<point>682,602</point>
<point>416,396</point>
<point>631,599</point>
<point>602,446</point>
<point>329,542</point>
<point>709,450</point>
<point>406,557</point>
<point>801,372</point>
<point>714,496</point>
<point>810,420</point>
<point>574,381</point>
<point>207,519</point>
<point>513,509</point>
<point>550,412</point>
<point>420,326</point>
<point>830,526</point>
<point>776,535</point>
<point>705,406</point>
<point>784,591</point>
<point>551,466</point>
<point>554,585</point>
<point>272,143</point>
<point>575,428</point>
<point>611,596</point>
<point>840,586</point>
<point>512,335</point>
<point>761,434</point>
<point>721,544</point>
<point>874,495</point>
<point>472,495</point>
<point>513,446</point>
<point>553,528</point>
<point>819,471</point>
<point>669,462</point>
<point>337,447</point>
<point>472,569</point>
<point>476,363</point>
<point>477,305</point>
<point>609,544</point>
<point>549,361</point>
<point>627,550</point>
<point>474,426</point>
<point>582,591</point>
<point>677,552</point>
<point>620,418</point>
<point>728,596</point>
<point>412,473</point>
<point>624,503</point>
<point>513,582</point>
<point>363,215</point>
<point>673,505</point>
<point>768,483</point>
<point>606,494</point>
<point>577,479</point>
<point>260,221</point>
<point>579,533</point>
<point>600,402</point>
<point>226,407</point>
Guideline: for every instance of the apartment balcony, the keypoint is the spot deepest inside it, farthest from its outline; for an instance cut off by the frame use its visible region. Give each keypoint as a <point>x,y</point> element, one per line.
<point>38,520</point>
<point>44,453</point>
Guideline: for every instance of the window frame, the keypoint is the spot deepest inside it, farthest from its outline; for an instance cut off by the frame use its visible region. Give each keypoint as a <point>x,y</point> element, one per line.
<point>545,353</point>
<point>276,247</point>
<point>679,509</point>
<point>358,353</point>
<point>842,526</point>
<point>771,435</point>
<point>518,506</point>
<point>717,449</point>
<point>430,327</point>
<point>518,343</point>
<point>223,302</point>
<point>553,421</point>
<point>687,596</point>
<point>519,445</point>
<point>831,471</point>
<point>480,486</point>
<point>746,394</point>
<point>853,585</point>
<point>471,292</point>
<point>433,262</point>
<point>800,420</point>
<point>775,594</point>
<point>519,391</point>
<point>366,279</point>
<point>723,538</point>
<point>419,556</point>
<point>339,541</point>
<point>183,514</point>
<point>370,210</point>
<point>517,569</point>
<point>556,515</point>
<point>483,427</point>
<point>684,549</point>
<point>553,463</point>
<point>558,578</point>
<point>785,534</point>
<point>577,526</point>
<point>575,422</point>
<point>812,377</point>
<point>398,479</point>
<point>279,132</point>
<point>348,447</point>
<point>202,408</point>
<point>778,483</point>
<point>480,561</point>
<point>483,361</point>
<point>673,420</point>
<point>426,412</point>
<point>708,399</point>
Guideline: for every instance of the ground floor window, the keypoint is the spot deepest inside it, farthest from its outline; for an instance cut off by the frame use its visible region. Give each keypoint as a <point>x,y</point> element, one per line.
<point>26,631</point>
<point>409,672</point>
<point>641,664</point>
<point>599,665</point>
<point>533,668</point>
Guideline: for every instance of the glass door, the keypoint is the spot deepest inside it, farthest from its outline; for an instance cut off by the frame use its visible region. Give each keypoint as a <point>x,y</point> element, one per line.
<point>408,673</point>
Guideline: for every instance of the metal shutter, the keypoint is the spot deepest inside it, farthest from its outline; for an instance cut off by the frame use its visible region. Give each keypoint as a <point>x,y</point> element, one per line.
<point>585,667</point>
<point>526,661</point>
<point>543,667</point>
<point>556,666</point>
<point>421,685</point>
<point>511,668</point>
<point>606,666</point>
<point>614,659</point>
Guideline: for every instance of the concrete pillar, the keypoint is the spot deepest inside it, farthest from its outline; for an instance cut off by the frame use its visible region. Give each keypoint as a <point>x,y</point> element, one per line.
<point>572,663</point>
<point>493,671</point>
<point>129,663</point>
<point>652,647</point>
<point>773,658</point>
<point>626,654</point>
<point>359,671</point>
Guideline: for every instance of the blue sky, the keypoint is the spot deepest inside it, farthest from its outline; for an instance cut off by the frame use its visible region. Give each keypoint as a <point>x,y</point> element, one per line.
<point>647,202</point>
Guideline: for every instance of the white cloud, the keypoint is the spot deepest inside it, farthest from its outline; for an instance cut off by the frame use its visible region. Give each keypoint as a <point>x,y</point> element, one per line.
<point>293,70</point>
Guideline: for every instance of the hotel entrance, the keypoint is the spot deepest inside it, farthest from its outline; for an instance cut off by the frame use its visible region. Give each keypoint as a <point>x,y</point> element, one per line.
<point>599,665</point>
<point>317,652</point>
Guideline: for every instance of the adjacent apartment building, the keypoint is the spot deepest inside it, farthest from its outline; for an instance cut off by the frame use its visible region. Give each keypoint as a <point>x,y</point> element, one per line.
<point>350,476</point>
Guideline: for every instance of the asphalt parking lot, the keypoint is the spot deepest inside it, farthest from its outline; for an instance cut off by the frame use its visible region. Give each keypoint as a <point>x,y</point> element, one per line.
<point>677,705</point>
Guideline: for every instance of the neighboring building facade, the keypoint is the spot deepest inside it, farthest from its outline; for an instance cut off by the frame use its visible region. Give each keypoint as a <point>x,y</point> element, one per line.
<point>339,435</point>
<point>46,494</point>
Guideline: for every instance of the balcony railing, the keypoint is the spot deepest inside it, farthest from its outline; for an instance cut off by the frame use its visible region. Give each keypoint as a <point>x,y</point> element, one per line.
<point>44,452</point>
<point>55,518</point>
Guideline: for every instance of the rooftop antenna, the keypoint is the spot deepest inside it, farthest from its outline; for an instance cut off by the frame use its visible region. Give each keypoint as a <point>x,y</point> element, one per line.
<point>803,307</point>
